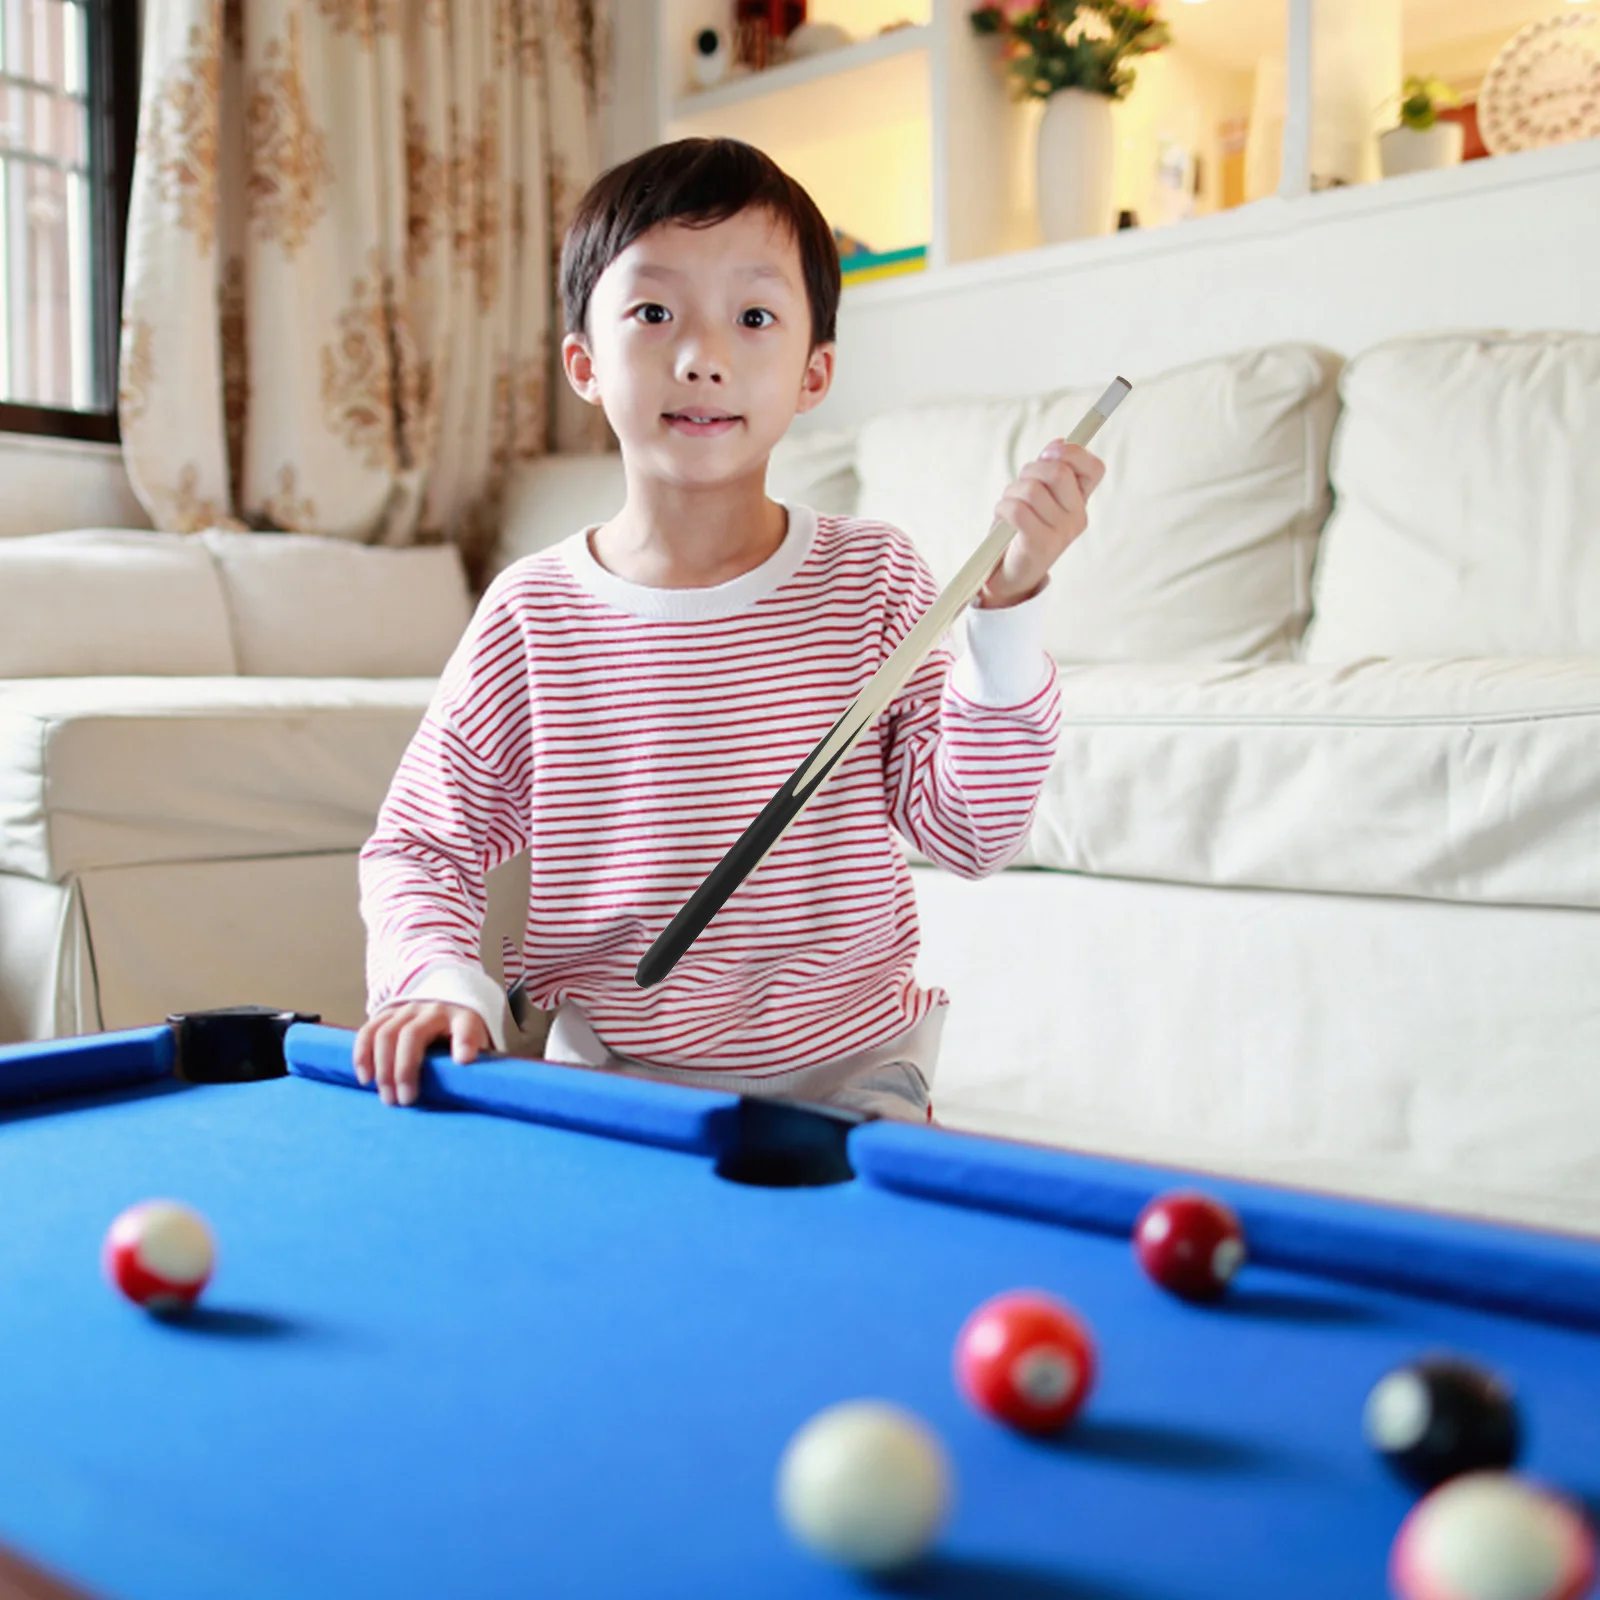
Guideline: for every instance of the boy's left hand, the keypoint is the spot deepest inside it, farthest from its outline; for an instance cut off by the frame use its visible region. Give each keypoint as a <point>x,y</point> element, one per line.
<point>1048,506</point>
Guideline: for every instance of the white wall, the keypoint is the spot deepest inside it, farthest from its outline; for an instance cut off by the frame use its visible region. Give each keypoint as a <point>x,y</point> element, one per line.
<point>1178,100</point>
<point>50,484</point>
<point>1506,243</point>
<point>630,113</point>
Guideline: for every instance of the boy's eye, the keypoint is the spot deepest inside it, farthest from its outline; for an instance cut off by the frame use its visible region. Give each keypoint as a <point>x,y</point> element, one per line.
<point>652,313</point>
<point>757,311</point>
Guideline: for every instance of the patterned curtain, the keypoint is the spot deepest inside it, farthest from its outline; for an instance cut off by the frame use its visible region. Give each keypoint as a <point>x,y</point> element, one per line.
<point>341,312</point>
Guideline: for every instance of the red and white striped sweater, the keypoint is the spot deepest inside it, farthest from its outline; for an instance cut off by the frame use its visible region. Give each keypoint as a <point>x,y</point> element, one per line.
<point>626,736</point>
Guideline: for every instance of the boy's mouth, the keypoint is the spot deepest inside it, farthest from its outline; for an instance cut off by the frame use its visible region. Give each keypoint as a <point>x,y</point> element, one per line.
<point>701,424</point>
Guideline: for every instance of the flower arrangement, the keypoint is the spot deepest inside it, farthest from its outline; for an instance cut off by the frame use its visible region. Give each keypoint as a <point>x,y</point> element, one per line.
<point>1420,99</point>
<point>1071,44</point>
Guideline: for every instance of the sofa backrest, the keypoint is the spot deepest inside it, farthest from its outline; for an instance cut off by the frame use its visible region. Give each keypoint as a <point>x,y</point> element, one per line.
<point>1201,538</point>
<point>326,608</point>
<point>1465,471</point>
<point>1466,476</point>
<point>99,602</point>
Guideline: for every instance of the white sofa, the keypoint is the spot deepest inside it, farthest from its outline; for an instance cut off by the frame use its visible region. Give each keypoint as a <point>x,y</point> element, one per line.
<point>195,737</point>
<point>1311,893</point>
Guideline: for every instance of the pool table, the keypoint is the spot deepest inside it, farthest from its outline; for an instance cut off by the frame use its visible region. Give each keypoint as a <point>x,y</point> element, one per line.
<point>548,1332</point>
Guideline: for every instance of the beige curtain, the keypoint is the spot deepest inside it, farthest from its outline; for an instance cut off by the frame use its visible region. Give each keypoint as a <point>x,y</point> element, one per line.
<point>340,313</point>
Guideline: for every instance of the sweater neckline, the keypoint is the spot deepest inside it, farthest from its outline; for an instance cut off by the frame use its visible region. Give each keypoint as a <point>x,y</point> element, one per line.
<point>695,605</point>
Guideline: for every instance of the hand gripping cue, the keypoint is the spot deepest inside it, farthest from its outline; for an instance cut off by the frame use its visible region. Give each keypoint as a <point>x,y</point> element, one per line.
<point>751,847</point>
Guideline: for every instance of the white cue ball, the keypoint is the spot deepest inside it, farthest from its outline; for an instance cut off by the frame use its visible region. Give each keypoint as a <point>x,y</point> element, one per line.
<point>864,1484</point>
<point>1492,1536</point>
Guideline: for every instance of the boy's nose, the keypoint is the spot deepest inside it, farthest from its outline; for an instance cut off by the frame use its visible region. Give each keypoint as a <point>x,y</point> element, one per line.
<point>700,358</point>
<point>700,365</point>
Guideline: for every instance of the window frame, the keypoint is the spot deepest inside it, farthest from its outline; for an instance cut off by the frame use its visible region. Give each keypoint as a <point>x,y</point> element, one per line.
<point>113,100</point>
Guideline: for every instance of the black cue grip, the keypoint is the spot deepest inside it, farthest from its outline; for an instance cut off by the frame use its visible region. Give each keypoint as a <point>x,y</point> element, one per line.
<point>743,856</point>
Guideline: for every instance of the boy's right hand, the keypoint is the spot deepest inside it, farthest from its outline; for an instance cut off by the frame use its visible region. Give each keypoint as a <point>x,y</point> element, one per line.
<point>390,1046</point>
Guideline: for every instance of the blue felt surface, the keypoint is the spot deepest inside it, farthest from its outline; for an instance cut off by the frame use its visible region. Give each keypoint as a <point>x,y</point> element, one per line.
<point>456,1354</point>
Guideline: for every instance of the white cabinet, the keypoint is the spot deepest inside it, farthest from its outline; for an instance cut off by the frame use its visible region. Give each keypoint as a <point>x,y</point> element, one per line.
<point>903,138</point>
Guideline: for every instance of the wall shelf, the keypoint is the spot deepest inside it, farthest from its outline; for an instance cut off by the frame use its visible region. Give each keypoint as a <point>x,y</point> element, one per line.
<point>911,138</point>
<point>815,70</point>
<point>1420,193</point>
<point>904,138</point>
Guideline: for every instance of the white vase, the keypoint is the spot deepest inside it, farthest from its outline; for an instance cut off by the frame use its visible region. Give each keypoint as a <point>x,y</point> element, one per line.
<point>1075,166</point>
<point>1406,149</point>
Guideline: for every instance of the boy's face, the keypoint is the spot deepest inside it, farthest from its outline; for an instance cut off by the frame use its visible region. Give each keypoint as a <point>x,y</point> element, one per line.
<point>699,349</point>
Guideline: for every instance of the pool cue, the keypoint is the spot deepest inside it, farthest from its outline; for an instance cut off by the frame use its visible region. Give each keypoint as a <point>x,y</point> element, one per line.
<point>751,848</point>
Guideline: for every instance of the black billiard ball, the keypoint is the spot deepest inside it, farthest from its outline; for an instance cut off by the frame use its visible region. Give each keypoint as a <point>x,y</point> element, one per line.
<point>1441,1416</point>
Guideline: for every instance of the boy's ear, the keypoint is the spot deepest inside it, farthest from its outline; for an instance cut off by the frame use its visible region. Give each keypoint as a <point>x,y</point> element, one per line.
<point>817,379</point>
<point>577,361</point>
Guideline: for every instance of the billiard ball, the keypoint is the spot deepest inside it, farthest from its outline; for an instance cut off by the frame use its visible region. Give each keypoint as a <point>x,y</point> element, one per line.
<point>864,1484</point>
<point>1438,1417</point>
<point>1492,1536</point>
<point>160,1255</point>
<point>1189,1243</point>
<point>1027,1360</point>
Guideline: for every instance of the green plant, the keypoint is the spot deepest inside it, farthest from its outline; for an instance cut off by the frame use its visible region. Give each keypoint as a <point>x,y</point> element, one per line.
<point>1420,99</point>
<point>1071,44</point>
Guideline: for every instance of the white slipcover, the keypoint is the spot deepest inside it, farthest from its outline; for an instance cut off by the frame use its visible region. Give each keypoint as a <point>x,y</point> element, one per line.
<point>113,772</point>
<point>1476,781</point>
<point>1466,474</point>
<point>1200,539</point>
<point>100,601</point>
<point>325,608</point>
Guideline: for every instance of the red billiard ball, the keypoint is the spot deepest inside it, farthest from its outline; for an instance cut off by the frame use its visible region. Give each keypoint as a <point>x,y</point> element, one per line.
<point>160,1255</point>
<point>1189,1243</point>
<point>1026,1359</point>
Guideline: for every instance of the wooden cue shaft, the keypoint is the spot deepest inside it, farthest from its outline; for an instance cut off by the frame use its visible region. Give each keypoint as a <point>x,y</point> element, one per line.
<point>751,848</point>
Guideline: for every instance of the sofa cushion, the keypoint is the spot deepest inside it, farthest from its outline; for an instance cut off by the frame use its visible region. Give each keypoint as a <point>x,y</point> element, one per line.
<point>1200,540</point>
<point>1466,471</point>
<point>101,772</point>
<point>816,469</point>
<point>1467,780</point>
<point>552,497</point>
<point>110,601</point>
<point>303,606</point>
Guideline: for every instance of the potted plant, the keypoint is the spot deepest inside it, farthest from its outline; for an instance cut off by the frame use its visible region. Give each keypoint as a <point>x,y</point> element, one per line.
<point>1074,55</point>
<point>1421,141</point>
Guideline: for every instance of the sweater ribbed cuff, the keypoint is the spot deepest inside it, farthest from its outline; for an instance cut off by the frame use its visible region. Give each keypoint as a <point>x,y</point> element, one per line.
<point>1005,662</point>
<point>459,983</point>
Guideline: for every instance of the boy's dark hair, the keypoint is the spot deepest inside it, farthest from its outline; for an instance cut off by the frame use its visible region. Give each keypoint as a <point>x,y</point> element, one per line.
<point>695,182</point>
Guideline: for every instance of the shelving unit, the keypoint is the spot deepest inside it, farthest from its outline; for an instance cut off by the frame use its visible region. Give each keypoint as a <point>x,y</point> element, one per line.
<point>889,104</point>
<point>910,137</point>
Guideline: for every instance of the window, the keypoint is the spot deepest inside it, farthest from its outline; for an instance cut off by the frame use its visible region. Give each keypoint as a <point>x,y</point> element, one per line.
<point>68,113</point>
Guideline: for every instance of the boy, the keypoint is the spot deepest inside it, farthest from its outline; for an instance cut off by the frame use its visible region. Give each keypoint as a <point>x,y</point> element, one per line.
<point>624,704</point>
